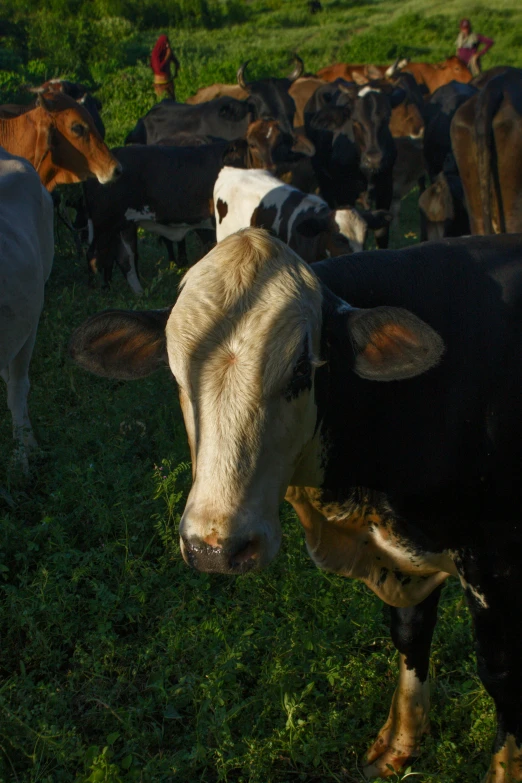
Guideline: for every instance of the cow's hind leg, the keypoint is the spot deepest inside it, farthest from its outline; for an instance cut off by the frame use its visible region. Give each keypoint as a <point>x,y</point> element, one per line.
<point>16,376</point>
<point>399,739</point>
<point>493,590</point>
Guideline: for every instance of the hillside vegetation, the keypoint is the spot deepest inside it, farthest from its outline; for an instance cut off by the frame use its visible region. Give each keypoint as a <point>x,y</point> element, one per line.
<point>118,663</point>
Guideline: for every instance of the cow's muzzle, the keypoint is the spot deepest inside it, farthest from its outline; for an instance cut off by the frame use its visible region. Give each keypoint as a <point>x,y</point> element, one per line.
<point>237,556</point>
<point>372,161</point>
<point>110,176</point>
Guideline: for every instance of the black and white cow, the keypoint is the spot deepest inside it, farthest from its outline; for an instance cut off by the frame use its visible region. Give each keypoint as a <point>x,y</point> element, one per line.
<point>380,394</point>
<point>355,151</point>
<point>304,221</point>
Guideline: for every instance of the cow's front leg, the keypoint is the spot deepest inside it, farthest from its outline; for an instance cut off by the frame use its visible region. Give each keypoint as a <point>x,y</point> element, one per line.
<point>399,739</point>
<point>493,587</point>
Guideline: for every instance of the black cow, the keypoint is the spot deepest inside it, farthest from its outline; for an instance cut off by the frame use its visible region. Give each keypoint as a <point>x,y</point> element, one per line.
<point>355,151</point>
<point>439,113</point>
<point>225,117</point>
<point>380,393</point>
<point>168,191</point>
<point>159,186</point>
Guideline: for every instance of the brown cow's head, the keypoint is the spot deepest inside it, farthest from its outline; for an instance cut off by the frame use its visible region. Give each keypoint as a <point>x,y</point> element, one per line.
<point>68,147</point>
<point>244,341</point>
<point>456,69</point>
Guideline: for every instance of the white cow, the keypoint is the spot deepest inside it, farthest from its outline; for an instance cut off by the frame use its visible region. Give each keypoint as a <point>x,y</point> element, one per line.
<point>255,197</point>
<point>26,257</point>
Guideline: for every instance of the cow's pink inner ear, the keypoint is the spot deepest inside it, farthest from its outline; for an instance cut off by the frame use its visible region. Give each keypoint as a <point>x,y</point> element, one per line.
<point>393,344</point>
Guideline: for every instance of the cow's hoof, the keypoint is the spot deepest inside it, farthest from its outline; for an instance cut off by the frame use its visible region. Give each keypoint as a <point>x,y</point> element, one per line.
<point>387,764</point>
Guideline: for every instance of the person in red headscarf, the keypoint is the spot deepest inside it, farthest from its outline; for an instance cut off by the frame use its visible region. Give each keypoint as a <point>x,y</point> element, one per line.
<point>161,58</point>
<point>468,44</point>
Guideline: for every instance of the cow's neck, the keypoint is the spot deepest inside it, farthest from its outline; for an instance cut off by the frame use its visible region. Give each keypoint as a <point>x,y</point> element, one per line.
<point>27,136</point>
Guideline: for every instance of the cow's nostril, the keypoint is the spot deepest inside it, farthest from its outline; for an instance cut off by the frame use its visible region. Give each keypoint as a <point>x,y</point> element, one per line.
<point>246,555</point>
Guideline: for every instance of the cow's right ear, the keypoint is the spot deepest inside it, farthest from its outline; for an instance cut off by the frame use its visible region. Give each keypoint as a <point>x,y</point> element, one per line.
<point>122,344</point>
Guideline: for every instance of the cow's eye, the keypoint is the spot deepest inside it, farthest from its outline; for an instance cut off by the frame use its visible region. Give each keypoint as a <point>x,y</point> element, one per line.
<point>301,378</point>
<point>79,130</point>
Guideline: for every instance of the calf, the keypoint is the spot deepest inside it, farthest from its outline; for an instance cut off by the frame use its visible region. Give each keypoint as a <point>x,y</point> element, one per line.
<point>380,394</point>
<point>305,222</point>
<point>27,241</point>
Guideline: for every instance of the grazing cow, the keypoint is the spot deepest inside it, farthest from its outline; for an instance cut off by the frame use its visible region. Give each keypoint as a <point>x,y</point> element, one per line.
<point>168,191</point>
<point>27,242</point>
<point>61,141</point>
<point>77,92</point>
<point>486,136</point>
<point>304,221</point>
<point>354,147</point>
<point>378,393</point>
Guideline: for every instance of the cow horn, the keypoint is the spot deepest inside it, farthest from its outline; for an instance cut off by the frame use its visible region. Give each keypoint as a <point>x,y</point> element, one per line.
<point>392,70</point>
<point>298,70</point>
<point>241,76</point>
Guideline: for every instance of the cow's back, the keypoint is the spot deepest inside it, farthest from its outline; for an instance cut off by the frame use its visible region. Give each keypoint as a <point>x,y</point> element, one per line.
<point>462,419</point>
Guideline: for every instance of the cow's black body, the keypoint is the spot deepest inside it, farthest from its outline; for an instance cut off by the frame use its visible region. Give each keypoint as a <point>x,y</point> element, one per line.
<point>446,447</point>
<point>175,184</point>
<point>224,118</point>
<point>439,111</point>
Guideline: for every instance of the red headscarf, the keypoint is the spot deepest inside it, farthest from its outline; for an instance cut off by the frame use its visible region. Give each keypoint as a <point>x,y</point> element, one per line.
<point>159,61</point>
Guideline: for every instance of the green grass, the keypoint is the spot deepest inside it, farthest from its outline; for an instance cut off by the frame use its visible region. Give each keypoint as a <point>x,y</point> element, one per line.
<point>118,663</point>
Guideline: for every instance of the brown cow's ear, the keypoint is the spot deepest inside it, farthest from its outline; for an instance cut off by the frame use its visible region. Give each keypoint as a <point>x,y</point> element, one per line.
<point>43,103</point>
<point>391,344</point>
<point>359,78</point>
<point>121,344</point>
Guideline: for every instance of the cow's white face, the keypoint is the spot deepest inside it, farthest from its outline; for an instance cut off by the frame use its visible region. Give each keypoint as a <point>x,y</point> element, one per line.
<point>243,343</point>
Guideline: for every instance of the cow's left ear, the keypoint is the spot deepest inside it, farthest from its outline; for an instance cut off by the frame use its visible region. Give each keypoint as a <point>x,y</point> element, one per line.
<point>122,344</point>
<point>391,344</point>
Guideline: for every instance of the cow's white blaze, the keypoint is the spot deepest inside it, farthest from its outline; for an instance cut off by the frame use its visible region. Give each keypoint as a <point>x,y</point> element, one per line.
<point>246,315</point>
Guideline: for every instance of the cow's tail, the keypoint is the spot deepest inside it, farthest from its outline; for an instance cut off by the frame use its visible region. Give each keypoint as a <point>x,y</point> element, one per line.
<point>488,103</point>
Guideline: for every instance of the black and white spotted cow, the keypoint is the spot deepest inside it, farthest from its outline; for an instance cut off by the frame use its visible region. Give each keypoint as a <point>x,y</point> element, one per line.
<point>380,394</point>
<point>254,197</point>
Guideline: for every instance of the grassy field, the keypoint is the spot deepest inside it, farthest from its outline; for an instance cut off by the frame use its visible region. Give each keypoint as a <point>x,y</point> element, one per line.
<point>119,664</point>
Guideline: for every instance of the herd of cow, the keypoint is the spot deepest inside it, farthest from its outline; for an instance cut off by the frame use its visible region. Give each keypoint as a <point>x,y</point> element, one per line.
<point>379,392</point>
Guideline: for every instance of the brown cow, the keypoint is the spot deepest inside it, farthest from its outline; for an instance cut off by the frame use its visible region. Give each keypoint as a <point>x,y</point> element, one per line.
<point>429,75</point>
<point>60,139</point>
<point>486,136</point>
<point>213,91</point>
<point>346,71</point>
<point>434,75</point>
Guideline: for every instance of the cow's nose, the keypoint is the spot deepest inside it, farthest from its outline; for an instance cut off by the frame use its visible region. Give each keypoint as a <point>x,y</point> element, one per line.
<point>236,556</point>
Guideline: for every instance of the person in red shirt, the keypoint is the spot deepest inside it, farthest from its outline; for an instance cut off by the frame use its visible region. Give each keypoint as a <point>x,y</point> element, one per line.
<point>161,58</point>
<point>468,44</point>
